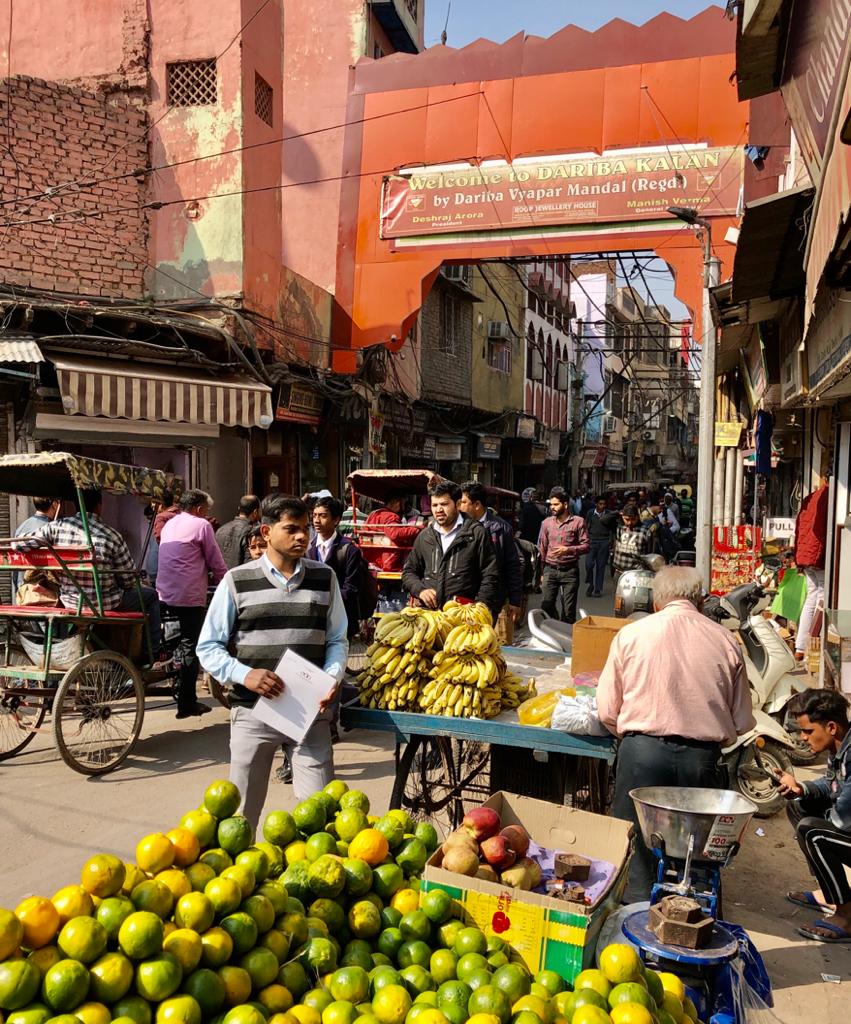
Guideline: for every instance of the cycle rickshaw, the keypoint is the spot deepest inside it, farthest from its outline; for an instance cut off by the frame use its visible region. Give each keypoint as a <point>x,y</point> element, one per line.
<point>75,663</point>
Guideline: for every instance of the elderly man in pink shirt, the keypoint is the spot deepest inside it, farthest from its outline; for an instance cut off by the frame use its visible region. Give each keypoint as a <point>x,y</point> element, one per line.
<point>675,691</point>
<point>189,561</point>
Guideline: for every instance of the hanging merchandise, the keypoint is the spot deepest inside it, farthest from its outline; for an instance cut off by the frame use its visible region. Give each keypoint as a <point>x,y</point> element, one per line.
<point>762,437</point>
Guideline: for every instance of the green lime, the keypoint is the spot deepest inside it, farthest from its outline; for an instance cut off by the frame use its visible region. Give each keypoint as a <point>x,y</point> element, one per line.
<point>470,962</point>
<point>309,816</point>
<point>437,905</point>
<point>513,980</point>
<point>294,977</point>
<point>443,966</point>
<point>242,929</point>
<point>280,828</point>
<point>452,999</point>
<point>381,976</point>
<point>256,861</point>
<point>470,940</point>
<point>296,881</point>
<point>387,879</point>
<point>354,798</point>
<point>489,999</point>
<point>411,856</point>
<point>349,822</point>
<point>392,830</point>
<point>207,989</point>
<point>390,917</point>
<point>427,835</point>
<point>475,979</point>
<point>19,981</point>
<point>414,953</point>
<point>261,910</point>
<point>415,925</point>
<point>318,845</point>
<point>417,979</point>
<point>390,942</point>
<point>235,834</point>
<point>364,920</point>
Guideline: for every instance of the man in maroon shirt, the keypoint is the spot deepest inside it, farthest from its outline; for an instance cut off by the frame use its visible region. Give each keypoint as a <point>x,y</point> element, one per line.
<point>810,550</point>
<point>563,541</point>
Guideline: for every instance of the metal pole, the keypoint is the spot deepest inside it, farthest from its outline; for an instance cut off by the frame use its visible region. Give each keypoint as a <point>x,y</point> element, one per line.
<point>729,485</point>
<point>738,517</point>
<point>706,423</point>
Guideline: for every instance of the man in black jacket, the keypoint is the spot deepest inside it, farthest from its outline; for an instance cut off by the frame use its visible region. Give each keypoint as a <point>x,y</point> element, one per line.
<point>452,557</point>
<point>601,525</point>
<point>232,538</point>
<point>474,503</point>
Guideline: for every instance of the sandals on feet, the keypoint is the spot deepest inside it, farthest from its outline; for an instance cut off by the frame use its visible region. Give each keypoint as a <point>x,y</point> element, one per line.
<point>808,900</point>
<point>836,933</point>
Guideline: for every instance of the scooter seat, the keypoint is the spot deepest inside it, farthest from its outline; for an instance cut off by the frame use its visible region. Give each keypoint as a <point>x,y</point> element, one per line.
<point>559,634</point>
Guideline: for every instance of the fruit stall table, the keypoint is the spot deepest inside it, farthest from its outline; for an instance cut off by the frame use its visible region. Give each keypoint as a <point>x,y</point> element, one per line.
<point>442,762</point>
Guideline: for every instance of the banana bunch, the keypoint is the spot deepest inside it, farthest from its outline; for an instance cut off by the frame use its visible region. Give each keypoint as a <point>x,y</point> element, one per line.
<point>459,700</point>
<point>514,690</point>
<point>392,679</point>
<point>472,639</point>
<point>469,613</point>
<point>421,629</point>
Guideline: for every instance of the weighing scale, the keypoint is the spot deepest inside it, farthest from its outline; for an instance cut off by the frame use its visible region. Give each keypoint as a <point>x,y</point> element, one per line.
<point>693,834</point>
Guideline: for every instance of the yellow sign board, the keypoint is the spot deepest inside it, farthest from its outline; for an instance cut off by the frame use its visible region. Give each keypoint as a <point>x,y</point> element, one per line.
<point>727,434</point>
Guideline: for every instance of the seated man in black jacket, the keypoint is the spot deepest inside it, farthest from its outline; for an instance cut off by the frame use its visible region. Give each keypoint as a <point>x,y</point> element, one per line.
<point>452,557</point>
<point>474,503</point>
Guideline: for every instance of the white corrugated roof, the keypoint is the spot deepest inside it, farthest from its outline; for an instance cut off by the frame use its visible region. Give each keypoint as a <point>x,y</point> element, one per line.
<point>19,350</point>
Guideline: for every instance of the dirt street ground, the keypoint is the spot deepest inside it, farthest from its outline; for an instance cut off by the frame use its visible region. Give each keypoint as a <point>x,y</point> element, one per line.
<point>51,819</point>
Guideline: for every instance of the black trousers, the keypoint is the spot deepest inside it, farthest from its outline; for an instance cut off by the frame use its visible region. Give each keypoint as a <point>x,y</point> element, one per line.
<point>658,761</point>
<point>191,620</point>
<point>825,846</point>
<point>560,587</point>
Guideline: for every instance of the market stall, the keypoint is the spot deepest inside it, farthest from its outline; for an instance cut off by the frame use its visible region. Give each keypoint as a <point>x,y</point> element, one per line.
<point>459,722</point>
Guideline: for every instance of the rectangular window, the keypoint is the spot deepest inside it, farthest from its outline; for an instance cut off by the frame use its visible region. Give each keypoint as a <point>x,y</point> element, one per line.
<point>499,356</point>
<point>617,394</point>
<point>191,83</point>
<point>450,324</point>
<point>263,99</point>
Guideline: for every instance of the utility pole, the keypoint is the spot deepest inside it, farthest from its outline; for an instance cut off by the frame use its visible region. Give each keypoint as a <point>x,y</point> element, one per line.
<point>706,418</point>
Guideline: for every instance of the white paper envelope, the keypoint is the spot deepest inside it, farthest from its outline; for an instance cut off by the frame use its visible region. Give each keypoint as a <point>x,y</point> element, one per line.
<point>295,710</point>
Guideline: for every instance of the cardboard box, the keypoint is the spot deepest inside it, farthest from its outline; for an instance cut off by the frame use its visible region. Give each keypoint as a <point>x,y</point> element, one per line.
<point>592,638</point>
<point>548,933</point>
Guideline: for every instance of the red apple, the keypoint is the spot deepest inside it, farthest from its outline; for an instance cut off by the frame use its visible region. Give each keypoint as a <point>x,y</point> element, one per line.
<point>482,823</point>
<point>518,839</point>
<point>498,853</point>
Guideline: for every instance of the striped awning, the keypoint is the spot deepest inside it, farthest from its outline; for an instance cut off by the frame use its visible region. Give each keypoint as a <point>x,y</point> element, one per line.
<point>138,391</point>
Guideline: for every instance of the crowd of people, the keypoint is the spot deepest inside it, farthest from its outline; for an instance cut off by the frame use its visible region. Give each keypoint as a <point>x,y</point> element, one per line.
<point>602,532</point>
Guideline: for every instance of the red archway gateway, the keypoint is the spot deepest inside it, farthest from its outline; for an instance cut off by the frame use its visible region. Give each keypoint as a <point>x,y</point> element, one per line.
<point>536,147</point>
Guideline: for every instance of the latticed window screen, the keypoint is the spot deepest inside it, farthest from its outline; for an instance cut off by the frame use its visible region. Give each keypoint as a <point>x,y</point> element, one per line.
<point>262,99</point>
<point>191,83</point>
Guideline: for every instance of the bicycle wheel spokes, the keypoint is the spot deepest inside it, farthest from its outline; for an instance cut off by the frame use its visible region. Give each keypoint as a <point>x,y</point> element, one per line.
<point>21,715</point>
<point>98,713</point>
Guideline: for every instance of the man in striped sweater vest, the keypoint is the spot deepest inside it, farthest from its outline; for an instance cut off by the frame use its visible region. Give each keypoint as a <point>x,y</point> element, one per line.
<point>280,601</point>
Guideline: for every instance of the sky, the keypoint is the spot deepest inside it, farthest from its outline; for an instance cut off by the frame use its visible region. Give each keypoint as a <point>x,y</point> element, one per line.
<point>501,19</point>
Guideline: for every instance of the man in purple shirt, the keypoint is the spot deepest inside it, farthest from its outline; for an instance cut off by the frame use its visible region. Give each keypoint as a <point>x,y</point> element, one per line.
<point>189,559</point>
<point>562,542</point>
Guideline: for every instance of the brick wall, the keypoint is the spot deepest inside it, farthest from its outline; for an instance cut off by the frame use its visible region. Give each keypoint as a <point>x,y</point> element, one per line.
<point>446,377</point>
<point>58,133</point>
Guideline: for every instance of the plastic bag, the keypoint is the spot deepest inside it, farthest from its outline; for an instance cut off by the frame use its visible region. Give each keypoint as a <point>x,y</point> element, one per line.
<point>791,595</point>
<point>578,715</point>
<point>742,988</point>
<point>539,710</point>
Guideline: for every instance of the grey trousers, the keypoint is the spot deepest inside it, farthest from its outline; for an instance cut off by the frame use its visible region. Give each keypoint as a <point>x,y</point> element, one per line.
<point>252,750</point>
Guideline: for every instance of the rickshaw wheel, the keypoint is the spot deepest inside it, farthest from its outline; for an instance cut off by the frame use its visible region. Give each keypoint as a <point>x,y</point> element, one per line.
<point>20,715</point>
<point>98,712</point>
<point>436,776</point>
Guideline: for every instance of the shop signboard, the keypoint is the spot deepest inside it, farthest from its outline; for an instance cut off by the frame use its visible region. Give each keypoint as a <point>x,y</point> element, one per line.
<point>526,428</point>
<point>628,185</point>
<point>614,461</point>
<point>828,339</point>
<point>447,451</point>
<point>727,434</point>
<point>553,445</point>
<point>488,446</point>
<point>538,455</point>
<point>816,61</point>
<point>300,404</point>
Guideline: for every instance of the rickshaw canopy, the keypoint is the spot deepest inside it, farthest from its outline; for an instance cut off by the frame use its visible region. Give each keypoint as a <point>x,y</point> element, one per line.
<point>378,483</point>
<point>59,474</point>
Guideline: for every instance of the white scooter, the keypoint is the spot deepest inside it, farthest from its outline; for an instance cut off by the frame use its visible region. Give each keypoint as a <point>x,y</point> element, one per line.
<point>774,675</point>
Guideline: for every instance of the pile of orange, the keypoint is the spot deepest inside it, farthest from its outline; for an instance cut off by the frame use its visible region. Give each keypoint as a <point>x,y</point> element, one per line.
<point>320,921</point>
